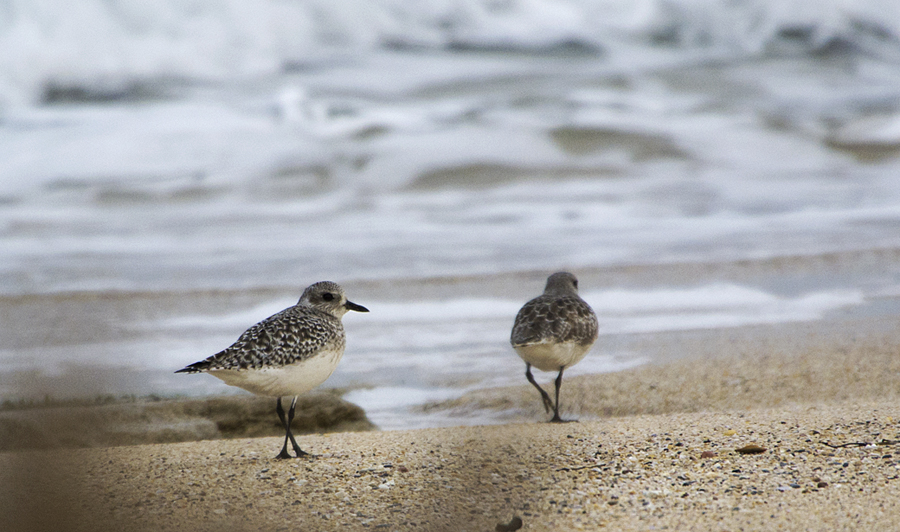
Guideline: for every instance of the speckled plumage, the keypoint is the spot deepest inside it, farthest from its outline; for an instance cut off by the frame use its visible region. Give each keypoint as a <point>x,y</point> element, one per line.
<point>290,336</point>
<point>289,353</point>
<point>554,331</point>
<point>558,316</point>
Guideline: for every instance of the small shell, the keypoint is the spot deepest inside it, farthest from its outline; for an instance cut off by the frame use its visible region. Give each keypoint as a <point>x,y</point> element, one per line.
<point>751,449</point>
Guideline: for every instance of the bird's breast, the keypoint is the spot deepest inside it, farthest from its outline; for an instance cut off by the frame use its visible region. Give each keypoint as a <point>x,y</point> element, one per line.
<point>289,379</point>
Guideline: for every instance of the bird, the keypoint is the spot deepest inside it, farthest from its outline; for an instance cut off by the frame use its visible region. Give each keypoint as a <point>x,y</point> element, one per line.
<point>288,353</point>
<point>554,331</point>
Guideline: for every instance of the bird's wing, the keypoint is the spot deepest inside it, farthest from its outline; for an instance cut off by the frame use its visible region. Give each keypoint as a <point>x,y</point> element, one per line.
<point>554,319</point>
<point>287,337</point>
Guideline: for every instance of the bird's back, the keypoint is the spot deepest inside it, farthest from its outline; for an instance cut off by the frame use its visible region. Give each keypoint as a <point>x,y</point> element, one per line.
<point>291,336</point>
<point>553,331</point>
<point>555,319</point>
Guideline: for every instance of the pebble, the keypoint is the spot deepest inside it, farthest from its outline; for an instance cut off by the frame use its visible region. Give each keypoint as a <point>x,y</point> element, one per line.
<point>750,449</point>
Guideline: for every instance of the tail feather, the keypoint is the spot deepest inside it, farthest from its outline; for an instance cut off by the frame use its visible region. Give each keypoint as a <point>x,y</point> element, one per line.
<point>208,363</point>
<point>196,367</point>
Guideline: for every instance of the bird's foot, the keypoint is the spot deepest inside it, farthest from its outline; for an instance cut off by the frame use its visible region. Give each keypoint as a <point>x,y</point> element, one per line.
<point>283,455</point>
<point>557,419</point>
<point>303,454</point>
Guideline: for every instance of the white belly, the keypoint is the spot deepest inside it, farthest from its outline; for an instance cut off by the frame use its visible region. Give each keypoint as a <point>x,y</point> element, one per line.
<point>293,379</point>
<point>550,356</point>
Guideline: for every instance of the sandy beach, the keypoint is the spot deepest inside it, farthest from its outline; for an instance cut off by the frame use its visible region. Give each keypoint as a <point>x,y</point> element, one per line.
<point>656,448</point>
<point>720,176</point>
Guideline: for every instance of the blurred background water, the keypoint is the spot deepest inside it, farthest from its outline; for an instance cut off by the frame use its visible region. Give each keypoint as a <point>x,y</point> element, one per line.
<point>172,172</point>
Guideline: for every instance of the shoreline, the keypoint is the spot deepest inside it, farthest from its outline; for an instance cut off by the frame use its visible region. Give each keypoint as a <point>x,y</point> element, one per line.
<point>738,369</point>
<point>665,459</point>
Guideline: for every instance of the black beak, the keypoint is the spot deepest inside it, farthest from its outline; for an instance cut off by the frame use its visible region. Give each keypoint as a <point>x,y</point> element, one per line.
<point>350,305</point>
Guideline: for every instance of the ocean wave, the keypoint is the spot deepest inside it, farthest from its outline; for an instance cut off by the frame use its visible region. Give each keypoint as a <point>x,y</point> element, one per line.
<point>98,50</point>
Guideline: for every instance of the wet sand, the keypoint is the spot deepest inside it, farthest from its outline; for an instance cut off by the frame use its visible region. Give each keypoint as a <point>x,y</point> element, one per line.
<point>737,369</point>
<point>156,420</point>
<point>657,450</point>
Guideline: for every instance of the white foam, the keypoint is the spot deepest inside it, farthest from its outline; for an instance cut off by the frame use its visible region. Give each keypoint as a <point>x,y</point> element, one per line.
<point>94,44</point>
<point>714,296</point>
<point>720,297</point>
<point>449,310</point>
<point>390,397</point>
<point>870,130</point>
<point>236,320</point>
<point>704,306</point>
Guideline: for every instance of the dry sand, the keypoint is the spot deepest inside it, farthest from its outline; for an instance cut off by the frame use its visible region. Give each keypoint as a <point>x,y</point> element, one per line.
<point>630,468</point>
<point>676,472</point>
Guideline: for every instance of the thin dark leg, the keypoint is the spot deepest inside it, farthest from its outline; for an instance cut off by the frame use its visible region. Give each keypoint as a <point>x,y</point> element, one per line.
<point>300,452</point>
<point>287,429</point>
<point>556,418</point>
<point>548,404</point>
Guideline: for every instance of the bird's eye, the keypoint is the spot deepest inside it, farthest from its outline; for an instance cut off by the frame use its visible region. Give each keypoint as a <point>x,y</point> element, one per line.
<point>328,296</point>
<point>575,283</point>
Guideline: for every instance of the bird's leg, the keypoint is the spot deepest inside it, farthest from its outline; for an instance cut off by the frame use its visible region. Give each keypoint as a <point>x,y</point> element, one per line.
<point>287,429</point>
<point>556,418</point>
<point>548,404</point>
<point>300,452</point>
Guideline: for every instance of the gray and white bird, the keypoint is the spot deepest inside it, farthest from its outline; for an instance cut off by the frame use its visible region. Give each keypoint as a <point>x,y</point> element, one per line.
<point>553,332</point>
<point>287,354</point>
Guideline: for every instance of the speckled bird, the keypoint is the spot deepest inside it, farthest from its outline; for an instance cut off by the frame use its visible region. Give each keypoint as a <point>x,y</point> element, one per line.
<point>287,354</point>
<point>553,332</point>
